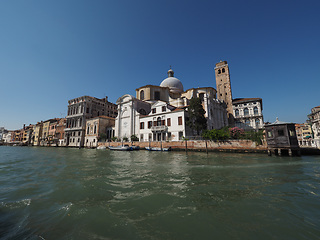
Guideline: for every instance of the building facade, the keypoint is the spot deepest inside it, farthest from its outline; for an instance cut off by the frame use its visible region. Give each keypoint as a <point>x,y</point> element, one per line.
<point>97,128</point>
<point>164,102</point>
<point>304,134</point>
<point>247,113</point>
<point>314,120</point>
<point>223,84</point>
<point>79,110</point>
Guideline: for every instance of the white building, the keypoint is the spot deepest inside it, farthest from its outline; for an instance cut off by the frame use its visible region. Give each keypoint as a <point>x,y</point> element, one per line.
<point>146,116</point>
<point>314,120</point>
<point>247,113</point>
<point>7,137</point>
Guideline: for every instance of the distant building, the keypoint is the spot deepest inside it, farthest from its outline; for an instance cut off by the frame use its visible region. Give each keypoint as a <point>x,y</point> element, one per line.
<point>47,131</point>
<point>281,138</point>
<point>146,115</point>
<point>97,128</point>
<point>247,113</point>
<point>164,123</point>
<point>59,133</point>
<point>304,134</point>
<point>2,132</point>
<point>7,137</point>
<point>79,110</point>
<point>37,133</point>
<point>223,85</point>
<point>314,120</point>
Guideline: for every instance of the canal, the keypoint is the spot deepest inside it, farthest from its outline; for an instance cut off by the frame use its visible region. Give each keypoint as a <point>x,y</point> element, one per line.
<point>65,193</point>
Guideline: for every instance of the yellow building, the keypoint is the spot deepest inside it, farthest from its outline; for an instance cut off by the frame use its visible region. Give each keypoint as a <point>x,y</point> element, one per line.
<point>37,133</point>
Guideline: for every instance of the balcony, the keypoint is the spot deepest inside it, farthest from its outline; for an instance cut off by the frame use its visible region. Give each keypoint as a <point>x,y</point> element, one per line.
<point>159,128</point>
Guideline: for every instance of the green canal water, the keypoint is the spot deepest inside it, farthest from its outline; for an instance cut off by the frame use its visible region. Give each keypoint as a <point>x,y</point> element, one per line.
<point>60,193</point>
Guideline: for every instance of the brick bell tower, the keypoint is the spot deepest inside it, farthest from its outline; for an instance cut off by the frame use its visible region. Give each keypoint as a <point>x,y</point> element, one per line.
<point>223,85</point>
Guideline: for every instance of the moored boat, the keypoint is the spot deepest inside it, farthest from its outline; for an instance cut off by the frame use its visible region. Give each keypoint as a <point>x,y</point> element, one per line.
<point>158,149</point>
<point>101,147</point>
<point>121,148</point>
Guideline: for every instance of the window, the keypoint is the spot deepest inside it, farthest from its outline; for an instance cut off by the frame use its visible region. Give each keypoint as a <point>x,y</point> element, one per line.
<point>219,71</point>
<point>280,132</point>
<point>257,122</point>
<point>246,111</point>
<point>141,95</point>
<point>255,111</point>
<point>149,124</point>
<point>154,110</point>
<point>180,135</point>
<point>79,133</point>
<point>168,122</point>
<point>223,70</point>
<point>179,120</point>
<point>236,112</point>
<point>269,134</point>
<point>201,96</point>
<point>164,108</point>
<point>95,129</point>
<point>141,137</point>
<point>142,125</point>
<point>158,121</point>
<point>157,95</point>
<point>291,133</point>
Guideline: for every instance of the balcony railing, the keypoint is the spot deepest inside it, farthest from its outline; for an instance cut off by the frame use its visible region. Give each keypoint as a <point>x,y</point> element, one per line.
<point>159,128</point>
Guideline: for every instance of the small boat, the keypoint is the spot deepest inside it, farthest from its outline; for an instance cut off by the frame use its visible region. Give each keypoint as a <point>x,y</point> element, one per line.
<point>102,147</point>
<point>158,149</point>
<point>135,147</point>
<point>121,148</point>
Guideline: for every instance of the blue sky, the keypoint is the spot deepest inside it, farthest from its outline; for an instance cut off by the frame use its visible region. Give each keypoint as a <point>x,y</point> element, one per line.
<point>53,51</point>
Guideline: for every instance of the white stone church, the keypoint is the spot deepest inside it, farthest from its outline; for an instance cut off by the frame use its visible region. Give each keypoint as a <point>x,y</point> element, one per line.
<point>158,113</point>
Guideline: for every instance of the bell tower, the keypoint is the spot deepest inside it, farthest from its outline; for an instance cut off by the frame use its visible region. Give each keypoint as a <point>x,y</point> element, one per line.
<point>223,85</point>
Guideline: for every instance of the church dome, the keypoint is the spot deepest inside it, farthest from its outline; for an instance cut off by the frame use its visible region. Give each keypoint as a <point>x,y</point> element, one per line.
<point>172,83</point>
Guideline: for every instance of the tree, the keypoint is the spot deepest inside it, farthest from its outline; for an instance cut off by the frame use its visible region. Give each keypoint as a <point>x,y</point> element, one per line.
<point>102,136</point>
<point>134,138</point>
<point>196,119</point>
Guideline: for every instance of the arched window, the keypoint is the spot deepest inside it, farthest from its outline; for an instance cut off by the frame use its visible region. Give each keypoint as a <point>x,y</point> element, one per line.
<point>95,129</point>
<point>236,112</point>
<point>141,95</point>
<point>246,112</point>
<point>223,70</point>
<point>158,121</point>
<point>219,71</point>
<point>88,130</point>
<point>247,122</point>
<point>255,111</point>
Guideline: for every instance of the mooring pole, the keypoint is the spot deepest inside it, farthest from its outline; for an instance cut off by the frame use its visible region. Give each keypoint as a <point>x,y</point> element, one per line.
<point>206,146</point>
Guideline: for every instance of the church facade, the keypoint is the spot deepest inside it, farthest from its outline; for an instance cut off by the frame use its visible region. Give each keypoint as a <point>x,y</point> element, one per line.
<point>159,113</point>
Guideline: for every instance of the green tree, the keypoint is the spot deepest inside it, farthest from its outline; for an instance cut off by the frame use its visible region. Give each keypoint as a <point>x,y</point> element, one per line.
<point>134,138</point>
<point>102,136</point>
<point>196,119</point>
